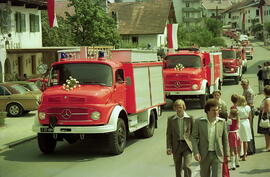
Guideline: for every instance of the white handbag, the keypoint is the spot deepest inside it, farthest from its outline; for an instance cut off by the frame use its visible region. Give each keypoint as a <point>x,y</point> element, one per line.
<point>264,123</point>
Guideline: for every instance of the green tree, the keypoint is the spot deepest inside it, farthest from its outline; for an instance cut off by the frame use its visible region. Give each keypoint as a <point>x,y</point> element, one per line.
<point>267,27</point>
<point>198,35</point>
<point>213,25</point>
<point>91,25</point>
<point>57,36</point>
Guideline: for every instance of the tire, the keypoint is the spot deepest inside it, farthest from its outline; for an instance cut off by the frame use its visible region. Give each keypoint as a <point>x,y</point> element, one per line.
<point>46,142</point>
<point>14,110</point>
<point>236,80</point>
<point>148,131</point>
<point>204,98</point>
<point>118,139</point>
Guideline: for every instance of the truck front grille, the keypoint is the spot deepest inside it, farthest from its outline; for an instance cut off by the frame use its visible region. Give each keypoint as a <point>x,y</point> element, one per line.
<point>69,113</point>
<point>176,84</point>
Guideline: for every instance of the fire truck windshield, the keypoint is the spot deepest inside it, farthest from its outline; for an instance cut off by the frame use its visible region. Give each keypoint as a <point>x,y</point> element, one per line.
<point>85,73</point>
<point>228,54</point>
<point>188,61</point>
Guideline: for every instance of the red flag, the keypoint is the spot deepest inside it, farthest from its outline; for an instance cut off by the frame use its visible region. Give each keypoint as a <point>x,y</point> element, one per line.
<point>51,13</point>
<point>244,18</point>
<point>172,36</point>
<point>261,13</point>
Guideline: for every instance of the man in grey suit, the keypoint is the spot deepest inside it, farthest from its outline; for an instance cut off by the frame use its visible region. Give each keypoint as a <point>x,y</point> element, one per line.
<point>179,129</point>
<point>210,141</point>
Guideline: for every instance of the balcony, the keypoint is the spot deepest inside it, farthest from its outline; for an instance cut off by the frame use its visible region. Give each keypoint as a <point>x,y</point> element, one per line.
<point>191,9</point>
<point>191,19</point>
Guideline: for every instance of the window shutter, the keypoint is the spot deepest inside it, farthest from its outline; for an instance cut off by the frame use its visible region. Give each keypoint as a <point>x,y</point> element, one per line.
<point>23,24</point>
<point>32,26</point>
<point>18,22</point>
<point>37,23</point>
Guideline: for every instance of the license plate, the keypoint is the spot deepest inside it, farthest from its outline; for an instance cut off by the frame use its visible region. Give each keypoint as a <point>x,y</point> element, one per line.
<point>46,129</point>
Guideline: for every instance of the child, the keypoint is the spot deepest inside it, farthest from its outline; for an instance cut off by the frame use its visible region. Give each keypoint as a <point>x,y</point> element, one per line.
<point>234,139</point>
<point>234,99</point>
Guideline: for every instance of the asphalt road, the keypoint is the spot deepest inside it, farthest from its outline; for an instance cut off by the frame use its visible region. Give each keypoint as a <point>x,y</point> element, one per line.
<point>142,157</point>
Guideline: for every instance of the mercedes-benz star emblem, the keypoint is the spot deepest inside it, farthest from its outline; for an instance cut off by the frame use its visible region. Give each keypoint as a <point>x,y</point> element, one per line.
<point>66,114</point>
<point>177,83</point>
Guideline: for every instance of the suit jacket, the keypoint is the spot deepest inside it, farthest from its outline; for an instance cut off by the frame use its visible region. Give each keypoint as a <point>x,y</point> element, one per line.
<point>199,138</point>
<point>173,131</point>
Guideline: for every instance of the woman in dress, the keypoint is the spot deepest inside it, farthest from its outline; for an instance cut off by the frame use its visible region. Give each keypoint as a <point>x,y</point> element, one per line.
<point>264,131</point>
<point>245,130</point>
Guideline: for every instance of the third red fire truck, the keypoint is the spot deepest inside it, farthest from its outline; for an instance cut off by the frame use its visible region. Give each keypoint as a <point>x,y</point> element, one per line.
<point>234,63</point>
<point>190,73</point>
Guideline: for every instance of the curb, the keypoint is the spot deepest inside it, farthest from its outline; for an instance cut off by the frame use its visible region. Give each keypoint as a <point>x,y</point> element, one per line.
<point>15,143</point>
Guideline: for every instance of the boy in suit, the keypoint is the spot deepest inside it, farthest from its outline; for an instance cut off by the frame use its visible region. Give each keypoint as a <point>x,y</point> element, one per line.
<point>210,140</point>
<point>179,129</point>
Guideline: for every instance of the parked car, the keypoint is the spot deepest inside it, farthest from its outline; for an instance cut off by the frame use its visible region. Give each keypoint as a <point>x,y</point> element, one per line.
<point>16,99</point>
<point>29,85</point>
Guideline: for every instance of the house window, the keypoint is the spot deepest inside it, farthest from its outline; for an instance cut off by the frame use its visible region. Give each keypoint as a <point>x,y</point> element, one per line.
<point>5,20</point>
<point>20,22</point>
<point>187,4</point>
<point>34,23</point>
<point>257,12</point>
<point>135,40</point>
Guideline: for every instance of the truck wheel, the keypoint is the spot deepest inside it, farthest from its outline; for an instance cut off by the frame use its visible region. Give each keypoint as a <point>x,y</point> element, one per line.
<point>203,98</point>
<point>14,110</point>
<point>118,139</point>
<point>148,131</point>
<point>236,79</point>
<point>46,142</point>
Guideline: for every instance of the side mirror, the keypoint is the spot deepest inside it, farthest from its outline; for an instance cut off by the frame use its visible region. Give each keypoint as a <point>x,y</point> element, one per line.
<point>42,68</point>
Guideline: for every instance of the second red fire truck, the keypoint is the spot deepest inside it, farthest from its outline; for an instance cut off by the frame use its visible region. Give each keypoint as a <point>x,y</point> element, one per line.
<point>190,73</point>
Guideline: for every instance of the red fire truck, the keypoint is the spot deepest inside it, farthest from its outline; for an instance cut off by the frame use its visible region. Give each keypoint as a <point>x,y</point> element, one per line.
<point>190,73</point>
<point>234,63</point>
<point>100,96</point>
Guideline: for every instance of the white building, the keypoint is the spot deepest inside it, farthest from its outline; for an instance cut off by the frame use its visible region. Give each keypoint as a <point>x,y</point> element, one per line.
<point>143,23</point>
<point>21,30</point>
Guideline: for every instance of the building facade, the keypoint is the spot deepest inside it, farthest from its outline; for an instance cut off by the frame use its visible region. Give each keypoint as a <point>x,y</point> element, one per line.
<point>21,29</point>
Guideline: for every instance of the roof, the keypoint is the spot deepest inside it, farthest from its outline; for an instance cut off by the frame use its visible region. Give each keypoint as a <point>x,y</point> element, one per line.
<point>244,4</point>
<point>148,17</point>
<point>40,4</point>
<point>217,4</point>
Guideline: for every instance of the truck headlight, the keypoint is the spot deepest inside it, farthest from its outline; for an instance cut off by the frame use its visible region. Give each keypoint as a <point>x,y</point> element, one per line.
<point>41,115</point>
<point>195,87</point>
<point>95,115</point>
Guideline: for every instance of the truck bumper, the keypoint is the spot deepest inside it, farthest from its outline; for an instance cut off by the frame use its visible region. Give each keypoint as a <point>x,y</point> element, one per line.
<point>225,75</point>
<point>196,92</point>
<point>74,129</point>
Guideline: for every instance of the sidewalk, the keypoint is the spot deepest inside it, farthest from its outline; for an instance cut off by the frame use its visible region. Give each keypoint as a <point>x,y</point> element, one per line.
<point>17,130</point>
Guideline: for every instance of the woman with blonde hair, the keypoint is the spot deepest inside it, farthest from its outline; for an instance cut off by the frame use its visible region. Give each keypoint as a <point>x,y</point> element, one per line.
<point>244,112</point>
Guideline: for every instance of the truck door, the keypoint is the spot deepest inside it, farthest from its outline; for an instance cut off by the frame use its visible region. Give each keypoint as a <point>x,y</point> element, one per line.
<point>119,94</point>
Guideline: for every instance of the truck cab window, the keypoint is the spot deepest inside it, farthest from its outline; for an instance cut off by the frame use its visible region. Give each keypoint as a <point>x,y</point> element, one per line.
<point>85,73</point>
<point>119,75</point>
<point>188,61</point>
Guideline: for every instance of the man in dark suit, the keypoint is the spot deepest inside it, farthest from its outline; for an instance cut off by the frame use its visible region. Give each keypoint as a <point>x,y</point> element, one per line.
<point>179,129</point>
<point>210,141</point>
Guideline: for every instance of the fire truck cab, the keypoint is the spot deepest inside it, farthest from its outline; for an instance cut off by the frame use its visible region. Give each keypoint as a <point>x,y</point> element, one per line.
<point>101,96</point>
<point>190,73</point>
